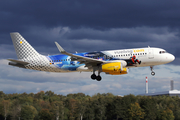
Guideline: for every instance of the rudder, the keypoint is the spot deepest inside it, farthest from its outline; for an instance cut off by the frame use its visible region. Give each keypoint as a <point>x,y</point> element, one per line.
<point>23,48</point>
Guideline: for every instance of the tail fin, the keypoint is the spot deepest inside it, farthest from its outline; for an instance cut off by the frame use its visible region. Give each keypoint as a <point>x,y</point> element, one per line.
<point>22,47</point>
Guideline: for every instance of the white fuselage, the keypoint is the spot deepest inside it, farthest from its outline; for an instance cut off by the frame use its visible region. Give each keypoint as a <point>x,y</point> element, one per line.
<point>147,56</point>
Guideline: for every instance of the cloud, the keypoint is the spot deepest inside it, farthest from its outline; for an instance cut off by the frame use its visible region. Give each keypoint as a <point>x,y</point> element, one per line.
<point>17,80</point>
<point>7,51</point>
<point>102,15</point>
<point>83,39</point>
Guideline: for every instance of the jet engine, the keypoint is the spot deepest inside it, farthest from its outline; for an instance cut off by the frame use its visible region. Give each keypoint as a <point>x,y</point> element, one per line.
<point>115,68</point>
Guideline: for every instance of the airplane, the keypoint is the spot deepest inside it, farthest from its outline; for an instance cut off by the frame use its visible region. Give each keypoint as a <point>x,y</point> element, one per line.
<point>113,62</point>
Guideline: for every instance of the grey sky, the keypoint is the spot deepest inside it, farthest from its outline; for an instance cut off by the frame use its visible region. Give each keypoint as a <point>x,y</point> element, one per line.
<point>80,25</point>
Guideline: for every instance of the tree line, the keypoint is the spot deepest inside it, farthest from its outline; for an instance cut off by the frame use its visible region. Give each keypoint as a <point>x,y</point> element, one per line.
<point>50,106</point>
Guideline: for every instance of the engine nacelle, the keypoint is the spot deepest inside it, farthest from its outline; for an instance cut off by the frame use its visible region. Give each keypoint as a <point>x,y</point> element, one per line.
<point>114,68</point>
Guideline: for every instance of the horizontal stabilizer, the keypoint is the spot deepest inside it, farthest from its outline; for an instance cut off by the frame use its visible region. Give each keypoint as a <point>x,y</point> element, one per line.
<point>18,61</point>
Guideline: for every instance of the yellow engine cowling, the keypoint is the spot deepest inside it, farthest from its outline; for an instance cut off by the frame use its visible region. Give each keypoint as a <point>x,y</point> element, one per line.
<point>114,68</point>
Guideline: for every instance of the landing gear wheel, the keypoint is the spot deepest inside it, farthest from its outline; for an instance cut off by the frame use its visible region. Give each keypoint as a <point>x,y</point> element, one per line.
<point>98,78</point>
<point>93,76</point>
<point>152,73</point>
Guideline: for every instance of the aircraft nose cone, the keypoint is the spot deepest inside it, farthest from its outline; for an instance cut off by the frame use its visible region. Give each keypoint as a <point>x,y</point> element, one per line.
<point>172,57</point>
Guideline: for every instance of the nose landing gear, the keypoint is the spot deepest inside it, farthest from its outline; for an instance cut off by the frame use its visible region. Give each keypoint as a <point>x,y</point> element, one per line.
<point>152,72</point>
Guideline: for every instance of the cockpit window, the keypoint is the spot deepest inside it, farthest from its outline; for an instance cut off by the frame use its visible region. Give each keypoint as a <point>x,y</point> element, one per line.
<point>161,52</point>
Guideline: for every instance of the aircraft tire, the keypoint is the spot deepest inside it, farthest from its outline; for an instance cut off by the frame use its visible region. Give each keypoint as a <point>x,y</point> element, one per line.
<point>152,73</point>
<point>98,78</point>
<point>93,76</point>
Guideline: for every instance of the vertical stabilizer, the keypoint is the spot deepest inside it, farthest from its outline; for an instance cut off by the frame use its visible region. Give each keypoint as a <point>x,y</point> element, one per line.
<point>22,47</point>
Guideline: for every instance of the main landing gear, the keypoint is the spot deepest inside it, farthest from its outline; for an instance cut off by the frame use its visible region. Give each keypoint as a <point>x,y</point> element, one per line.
<point>152,72</point>
<point>94,77</point>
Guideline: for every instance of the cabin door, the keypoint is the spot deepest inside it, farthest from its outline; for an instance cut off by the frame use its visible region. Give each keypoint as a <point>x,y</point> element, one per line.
<point>150,53</point>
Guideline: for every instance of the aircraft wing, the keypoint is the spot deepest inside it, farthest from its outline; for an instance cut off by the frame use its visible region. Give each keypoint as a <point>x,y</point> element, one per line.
<point>18,61</point>
<point>81,59</point>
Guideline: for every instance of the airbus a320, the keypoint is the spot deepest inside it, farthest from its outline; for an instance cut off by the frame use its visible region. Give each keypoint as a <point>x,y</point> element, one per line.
<point>113,62</point>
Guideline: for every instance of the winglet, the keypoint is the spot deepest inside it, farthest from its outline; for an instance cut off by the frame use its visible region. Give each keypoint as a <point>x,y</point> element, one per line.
<point>60,48</point>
